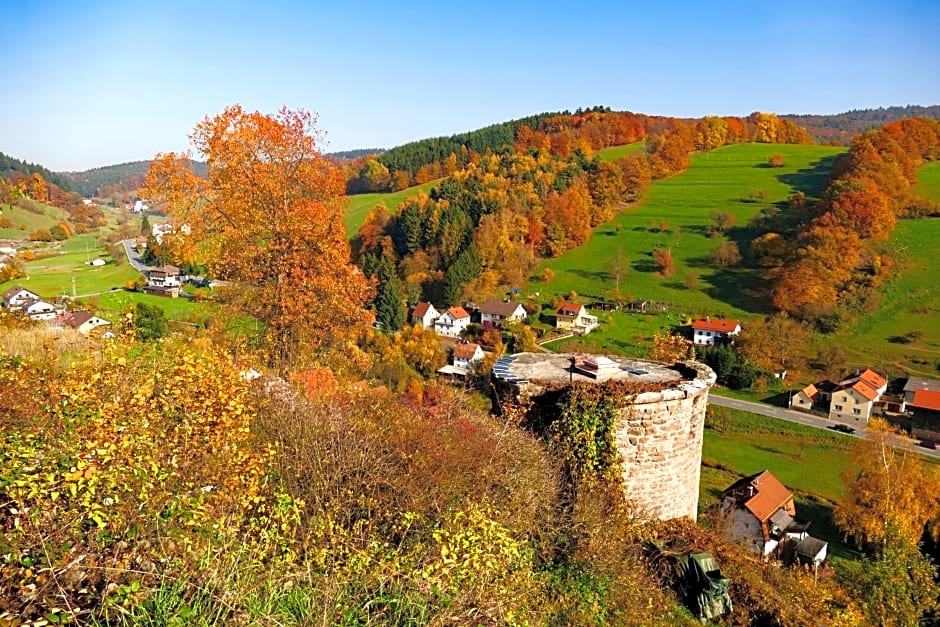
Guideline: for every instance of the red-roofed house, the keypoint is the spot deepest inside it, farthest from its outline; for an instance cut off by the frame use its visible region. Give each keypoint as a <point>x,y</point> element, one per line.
<point>424,314</point>
<point>452,322</point>
<point>575,318</point>
<point>467,355</point>
<point>922,404</point>
<point>855,396</point>
<point>711,331</point>
<point>760,514</point>
<point>805,398</point>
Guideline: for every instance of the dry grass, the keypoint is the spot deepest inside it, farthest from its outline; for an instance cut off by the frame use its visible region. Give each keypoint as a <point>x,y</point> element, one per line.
<point>35,340</point>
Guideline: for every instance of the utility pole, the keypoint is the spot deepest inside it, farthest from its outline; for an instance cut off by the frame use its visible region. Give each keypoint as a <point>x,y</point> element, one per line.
<point>73,287</point>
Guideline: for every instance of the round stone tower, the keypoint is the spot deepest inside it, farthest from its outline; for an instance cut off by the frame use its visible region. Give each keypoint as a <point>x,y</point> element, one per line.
<point>660,417</point>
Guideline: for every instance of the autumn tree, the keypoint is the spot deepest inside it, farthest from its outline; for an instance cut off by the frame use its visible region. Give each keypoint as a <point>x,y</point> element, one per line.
<point>665,264</point>
<point>726,254</point>
<point>268,216</point>
<point>775,161</point>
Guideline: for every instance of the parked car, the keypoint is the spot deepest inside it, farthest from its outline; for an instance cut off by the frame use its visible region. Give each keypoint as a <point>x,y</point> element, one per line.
<point>927,444</point>
<point>843,428</point>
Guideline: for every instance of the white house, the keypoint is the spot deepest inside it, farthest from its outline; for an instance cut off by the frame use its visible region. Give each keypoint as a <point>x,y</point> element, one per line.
<point>83,321</point>
<point>8,250</point>
<point>855,396</point>
<point>39,310</point>
<point>97,262</point>
<point>164,281</point>
<point>424,314</point>
<point>575,318</point>
<point>760,514</point>
<point>710,331</point>
<point>452,322</point>
<point>467,355</point>
<point>15,297</point>
<point>494,313</point>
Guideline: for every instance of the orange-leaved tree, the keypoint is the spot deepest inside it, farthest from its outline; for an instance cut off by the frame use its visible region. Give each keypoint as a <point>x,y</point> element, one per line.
<point>268,216</point>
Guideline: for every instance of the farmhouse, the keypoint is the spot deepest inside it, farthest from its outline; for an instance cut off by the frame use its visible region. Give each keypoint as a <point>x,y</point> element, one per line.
<point>854,396</point>
<point>761,516</point>
<point>575,318</point>
<point>424,315</point>
<point>710,331</point>
<point>813,396</point>
<point>83,321</point>
<point>15,297</point>
<point>164,281</point>
<point>467,355</point>
<point>452,322</point>
<point>494,313</point>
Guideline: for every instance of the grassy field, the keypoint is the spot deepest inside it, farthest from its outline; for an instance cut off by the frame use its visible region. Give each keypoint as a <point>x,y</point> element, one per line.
<point>25,222</point>
<point>808,461</point>
<point>615,152</point>
<point>361,204</point>
<point>722,180</point>
<point>928,181</point>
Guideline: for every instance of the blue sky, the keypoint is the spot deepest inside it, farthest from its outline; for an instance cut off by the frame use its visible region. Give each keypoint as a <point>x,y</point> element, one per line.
<point>96,83</point>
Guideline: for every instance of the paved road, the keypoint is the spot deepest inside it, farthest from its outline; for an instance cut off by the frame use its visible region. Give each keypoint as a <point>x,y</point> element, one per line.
<point>133,258</point>
<point>808,420</point>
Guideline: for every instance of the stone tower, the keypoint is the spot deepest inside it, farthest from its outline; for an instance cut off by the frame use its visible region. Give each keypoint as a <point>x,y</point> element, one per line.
<point>660,417</point>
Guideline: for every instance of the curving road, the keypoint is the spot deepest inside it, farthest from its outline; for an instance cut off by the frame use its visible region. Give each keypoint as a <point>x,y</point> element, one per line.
<point>133,257</point>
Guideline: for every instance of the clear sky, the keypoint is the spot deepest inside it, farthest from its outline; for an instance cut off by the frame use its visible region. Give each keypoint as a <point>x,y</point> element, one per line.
<point>101,82</point>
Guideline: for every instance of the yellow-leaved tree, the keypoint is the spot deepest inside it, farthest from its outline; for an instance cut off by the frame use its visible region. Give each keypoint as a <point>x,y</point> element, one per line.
<point>268,217</point>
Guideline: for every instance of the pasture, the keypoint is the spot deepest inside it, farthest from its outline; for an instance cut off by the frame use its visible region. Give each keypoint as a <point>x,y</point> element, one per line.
<point>24,222</point>
<point>361,204</point>
<point>675,215</point>
<point>928,181</point>
<point>615,152</point>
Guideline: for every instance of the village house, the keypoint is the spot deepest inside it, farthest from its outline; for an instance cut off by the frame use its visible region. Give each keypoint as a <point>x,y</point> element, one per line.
<point>922,404</point>
<point>15,297</point>
<point>452,322</point>
<point>38,309</point>
<point>82,321</point>
<point>164,281</point>
<point>424,315</point>
<point>711,331</point>
<point>813,396</point>
<point>760,514</point>
<point>495,313</point>
<point>855,396</point>
<point>467,355</point>
<point>574,318</point>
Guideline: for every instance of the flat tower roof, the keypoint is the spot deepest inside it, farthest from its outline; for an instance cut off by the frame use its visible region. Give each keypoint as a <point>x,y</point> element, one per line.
<point>557,368</point>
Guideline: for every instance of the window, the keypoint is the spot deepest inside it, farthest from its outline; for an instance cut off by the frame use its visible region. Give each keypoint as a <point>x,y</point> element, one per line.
<point>838,407</point>
<point>857,411</point>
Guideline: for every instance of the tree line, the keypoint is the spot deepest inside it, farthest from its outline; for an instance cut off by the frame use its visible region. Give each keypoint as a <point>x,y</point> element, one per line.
<point>841,128</point>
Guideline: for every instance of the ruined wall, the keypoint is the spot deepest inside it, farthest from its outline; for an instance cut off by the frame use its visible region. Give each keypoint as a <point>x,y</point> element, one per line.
<point>659,436</point>
<point>659,431</point>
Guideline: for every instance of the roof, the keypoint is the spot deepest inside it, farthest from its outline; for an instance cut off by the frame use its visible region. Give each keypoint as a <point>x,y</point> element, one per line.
<point>769,494</point>
<point>500,307</point>
<point>810,546</point>
<point>569,309</point>
<point>918,383</point>
<point>810,391</point>
<point>873,379</point>
<point>926,399</point>
<point>868,383</point>
<point>13,291</point>
<point>422,308</point>
<point>466,351</point>
<point>715,324</point>
<point>167,269</point>
<point>458,313</point>
<point>78,318</point>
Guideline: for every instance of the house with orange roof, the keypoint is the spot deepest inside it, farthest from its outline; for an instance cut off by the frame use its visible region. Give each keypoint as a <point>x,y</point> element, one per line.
<point>424,315</point>
<point>760,514</point>
<point>856,395</point>
<point>922,404</point>
<point>467,355</point>
<point>452,322</point>
<point>710,331</point>
<point>574,318</point>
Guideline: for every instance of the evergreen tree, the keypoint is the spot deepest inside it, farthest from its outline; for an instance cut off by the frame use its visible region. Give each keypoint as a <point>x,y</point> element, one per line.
<point>390,298</point>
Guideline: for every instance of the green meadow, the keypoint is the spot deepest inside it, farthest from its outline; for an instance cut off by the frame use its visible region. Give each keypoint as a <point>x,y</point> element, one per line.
<point>675,215</point>
<point>615,152</point>
<point>25,222</point>
<point>928,181</point>
<point>361,204</point>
